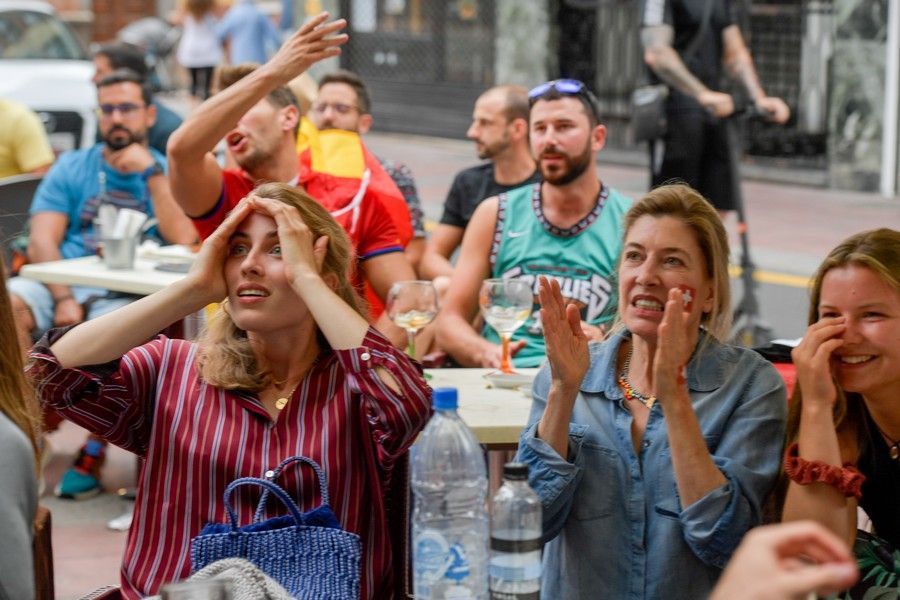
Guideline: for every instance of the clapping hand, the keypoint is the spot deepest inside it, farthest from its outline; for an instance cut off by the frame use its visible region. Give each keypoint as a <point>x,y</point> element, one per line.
<point>565,340</point>
<point>675,343</point>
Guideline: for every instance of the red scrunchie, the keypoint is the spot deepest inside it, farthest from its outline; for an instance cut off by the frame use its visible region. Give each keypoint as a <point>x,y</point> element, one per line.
<point>847,479</point>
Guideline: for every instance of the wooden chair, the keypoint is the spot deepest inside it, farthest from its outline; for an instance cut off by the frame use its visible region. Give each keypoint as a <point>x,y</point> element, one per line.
<point>43,555</point>
<point>15,200</point>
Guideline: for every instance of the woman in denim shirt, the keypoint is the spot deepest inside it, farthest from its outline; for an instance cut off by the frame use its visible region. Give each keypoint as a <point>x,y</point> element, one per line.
<point>653,451</point>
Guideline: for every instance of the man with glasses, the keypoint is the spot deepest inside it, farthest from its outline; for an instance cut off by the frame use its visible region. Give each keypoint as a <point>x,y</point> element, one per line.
<point>344,102</point>
<point>122,171</point>
<point>569,228</point>
<point>121,55</point>
<point>258,118</point>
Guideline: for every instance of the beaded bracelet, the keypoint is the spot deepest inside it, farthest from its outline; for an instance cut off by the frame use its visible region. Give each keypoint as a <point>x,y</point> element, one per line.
<point>847,479</point>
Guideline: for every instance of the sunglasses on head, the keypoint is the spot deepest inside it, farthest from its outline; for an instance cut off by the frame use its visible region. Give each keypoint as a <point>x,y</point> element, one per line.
<point>565,87</point>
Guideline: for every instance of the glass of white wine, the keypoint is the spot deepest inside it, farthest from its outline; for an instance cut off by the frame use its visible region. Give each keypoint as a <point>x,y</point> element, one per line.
<point>505,304</point>
<point>412,305</point>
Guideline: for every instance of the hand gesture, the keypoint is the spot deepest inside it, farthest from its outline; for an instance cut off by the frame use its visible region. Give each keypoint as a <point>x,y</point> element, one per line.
<point>567,345</point>
<point>133,158</point>
<point>774,108</point>
<point>301,253</point>
<point>789,561</point>
<point>675,343</point>
<point>206,275</point>
<point>310,44</point>
<point>812,359</point>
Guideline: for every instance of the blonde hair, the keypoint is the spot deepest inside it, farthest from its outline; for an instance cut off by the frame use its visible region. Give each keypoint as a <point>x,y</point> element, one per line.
<point>17,400</point>
<point>879,251</point>
<point>684,203</point>
<point>225,358</point>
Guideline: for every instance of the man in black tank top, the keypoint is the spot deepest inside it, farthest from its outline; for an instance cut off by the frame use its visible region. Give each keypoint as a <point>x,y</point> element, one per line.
<point>500,132</point>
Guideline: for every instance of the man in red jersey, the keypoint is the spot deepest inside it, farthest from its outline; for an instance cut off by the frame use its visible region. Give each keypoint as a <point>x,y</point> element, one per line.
<point>258,118</point>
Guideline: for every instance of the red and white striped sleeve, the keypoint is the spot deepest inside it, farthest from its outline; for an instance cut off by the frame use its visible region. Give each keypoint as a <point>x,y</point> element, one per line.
<point>395,417</point>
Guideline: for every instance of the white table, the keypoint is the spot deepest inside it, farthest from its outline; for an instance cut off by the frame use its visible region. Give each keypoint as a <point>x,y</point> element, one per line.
<point>90,271</point>
<point>497,416</point>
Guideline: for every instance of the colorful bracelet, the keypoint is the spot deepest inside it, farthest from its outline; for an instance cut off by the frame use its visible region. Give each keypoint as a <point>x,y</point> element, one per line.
<point>847,479</point>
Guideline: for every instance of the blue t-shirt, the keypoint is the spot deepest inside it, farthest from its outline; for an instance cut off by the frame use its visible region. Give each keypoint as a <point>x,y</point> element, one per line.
<point>250,34</point>
<point>78,183</point>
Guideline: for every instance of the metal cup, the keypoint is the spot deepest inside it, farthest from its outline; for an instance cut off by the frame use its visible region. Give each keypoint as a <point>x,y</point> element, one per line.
<point>118,253</point>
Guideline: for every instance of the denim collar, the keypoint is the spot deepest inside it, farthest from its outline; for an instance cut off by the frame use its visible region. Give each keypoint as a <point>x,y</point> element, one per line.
<point>705,371</point>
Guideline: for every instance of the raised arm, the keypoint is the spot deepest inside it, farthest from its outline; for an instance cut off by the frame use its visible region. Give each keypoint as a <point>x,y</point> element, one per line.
<point>195,176</point>
<point>110,336</point>
<point>664,61</point>
<point>739,65</point>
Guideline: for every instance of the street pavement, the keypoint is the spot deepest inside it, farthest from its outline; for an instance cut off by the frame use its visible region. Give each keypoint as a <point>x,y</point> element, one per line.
<point>791,229</point>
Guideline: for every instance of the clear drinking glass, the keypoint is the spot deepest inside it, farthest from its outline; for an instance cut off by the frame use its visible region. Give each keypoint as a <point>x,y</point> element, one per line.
<point>412,305</point>
<point>505,304</point>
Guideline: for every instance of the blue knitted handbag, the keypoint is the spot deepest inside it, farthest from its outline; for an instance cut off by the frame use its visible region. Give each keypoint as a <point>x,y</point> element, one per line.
<point>309,554</point>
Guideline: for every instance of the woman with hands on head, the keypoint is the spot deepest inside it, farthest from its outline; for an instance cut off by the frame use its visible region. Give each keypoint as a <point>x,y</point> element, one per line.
<point>286,366</point>
<point>654,450</point>
<point>844,424</point>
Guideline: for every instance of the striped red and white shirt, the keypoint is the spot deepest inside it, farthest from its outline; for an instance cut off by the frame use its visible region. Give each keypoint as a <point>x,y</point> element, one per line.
<point>197,438</point>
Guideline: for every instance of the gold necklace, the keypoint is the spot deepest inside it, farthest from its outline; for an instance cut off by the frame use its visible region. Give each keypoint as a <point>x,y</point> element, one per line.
<point>628,390</point>
<point>283,400</point>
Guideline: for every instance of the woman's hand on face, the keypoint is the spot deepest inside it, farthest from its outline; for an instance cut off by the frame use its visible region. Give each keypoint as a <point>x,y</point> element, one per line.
<point>567,345</point>
<point>207,273</point>
<point>812,359</point>
<point>674,346</point>
<point>301,254</point>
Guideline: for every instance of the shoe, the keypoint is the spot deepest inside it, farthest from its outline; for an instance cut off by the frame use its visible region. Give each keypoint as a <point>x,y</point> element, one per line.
<point>82,480</point>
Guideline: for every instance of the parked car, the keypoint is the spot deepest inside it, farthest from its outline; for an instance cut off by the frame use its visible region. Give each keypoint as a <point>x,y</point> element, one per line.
<point>44,66</point>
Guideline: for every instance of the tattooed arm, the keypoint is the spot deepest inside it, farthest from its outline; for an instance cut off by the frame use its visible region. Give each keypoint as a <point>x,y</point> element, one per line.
<point>665,62</point>
<point>739,65</point>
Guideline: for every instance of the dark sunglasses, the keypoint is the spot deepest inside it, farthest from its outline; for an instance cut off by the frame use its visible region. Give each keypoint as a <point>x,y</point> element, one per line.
<point>566,87</point>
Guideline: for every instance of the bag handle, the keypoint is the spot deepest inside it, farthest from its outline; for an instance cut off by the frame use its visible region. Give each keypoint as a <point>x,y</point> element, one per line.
<point>268,486</point>
<point>274,474</point>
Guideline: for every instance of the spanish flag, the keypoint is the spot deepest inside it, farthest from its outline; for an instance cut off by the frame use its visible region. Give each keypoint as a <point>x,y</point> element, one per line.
<point>339,171</point>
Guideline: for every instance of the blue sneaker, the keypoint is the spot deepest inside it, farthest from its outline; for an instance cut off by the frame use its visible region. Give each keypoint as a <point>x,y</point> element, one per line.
<point>82,480</point>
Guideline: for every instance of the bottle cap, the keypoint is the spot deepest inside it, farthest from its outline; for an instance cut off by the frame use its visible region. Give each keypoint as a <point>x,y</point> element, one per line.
<point>515,471</point>
<point>445,398</point>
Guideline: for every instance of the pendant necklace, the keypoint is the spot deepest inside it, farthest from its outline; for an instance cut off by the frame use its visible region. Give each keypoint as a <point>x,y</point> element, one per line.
<point>629,390</point>
<point>283,400</point>
<point>892,444</point>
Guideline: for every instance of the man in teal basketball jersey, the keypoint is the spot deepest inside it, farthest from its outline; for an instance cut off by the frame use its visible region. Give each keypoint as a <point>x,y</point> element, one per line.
<point>569,227</point>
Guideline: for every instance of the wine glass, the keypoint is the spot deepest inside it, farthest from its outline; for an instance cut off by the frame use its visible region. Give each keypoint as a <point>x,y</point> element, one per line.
<point>412,305</point>
<point>505,304</point>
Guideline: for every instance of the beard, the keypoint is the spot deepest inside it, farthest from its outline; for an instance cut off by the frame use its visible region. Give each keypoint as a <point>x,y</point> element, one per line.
<point>119,137</point>
<point>571,169</point>
<point>487,151</point>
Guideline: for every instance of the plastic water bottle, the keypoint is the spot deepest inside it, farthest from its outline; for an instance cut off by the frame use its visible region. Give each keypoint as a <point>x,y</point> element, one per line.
<point>515,566</point>
<point>450,522</point>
